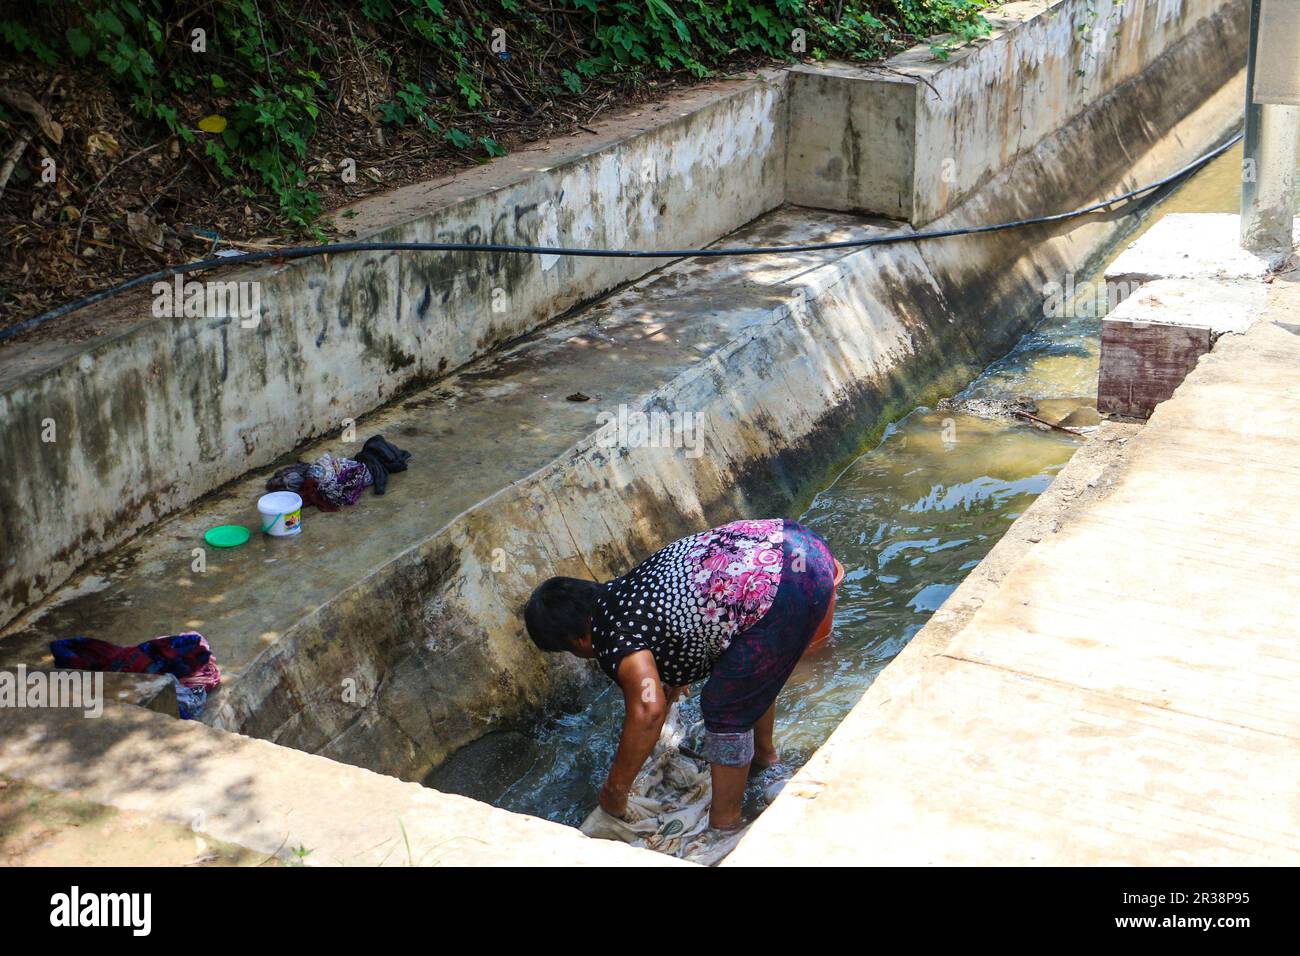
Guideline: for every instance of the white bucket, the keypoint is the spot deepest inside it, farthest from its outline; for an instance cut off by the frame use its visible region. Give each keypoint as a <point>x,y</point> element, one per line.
<point>281,513</point>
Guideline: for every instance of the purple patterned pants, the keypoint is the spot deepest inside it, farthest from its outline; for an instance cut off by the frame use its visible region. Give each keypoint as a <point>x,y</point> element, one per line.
<point>750,673</point>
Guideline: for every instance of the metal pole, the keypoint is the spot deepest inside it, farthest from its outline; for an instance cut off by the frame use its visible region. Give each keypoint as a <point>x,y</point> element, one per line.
<point>1268,166</point>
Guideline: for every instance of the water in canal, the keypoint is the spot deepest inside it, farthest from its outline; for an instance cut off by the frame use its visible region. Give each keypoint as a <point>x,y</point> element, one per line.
<point>908,519</point>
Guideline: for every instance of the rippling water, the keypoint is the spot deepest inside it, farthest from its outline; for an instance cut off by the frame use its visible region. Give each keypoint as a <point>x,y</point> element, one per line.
<point>908,519</point>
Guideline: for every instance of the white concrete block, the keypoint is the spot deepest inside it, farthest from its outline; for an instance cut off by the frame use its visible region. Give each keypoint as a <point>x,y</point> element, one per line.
<point>1221,306</point>
<point>1191,246</point>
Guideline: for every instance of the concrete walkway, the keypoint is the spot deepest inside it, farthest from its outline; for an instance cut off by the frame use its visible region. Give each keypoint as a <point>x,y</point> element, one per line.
<point>246,801</point>
<point>1130,693</point>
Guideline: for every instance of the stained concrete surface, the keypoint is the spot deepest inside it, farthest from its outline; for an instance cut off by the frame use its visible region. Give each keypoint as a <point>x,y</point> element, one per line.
<point>916,135</point>
<point>153,411</point>
<point>497,422</point>
<point>1196,246</point>
<point>1128,693</point>
<point>1222,307</point>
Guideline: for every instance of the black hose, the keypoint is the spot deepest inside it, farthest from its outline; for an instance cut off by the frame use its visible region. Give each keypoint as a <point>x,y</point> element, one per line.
<point>303,252</point>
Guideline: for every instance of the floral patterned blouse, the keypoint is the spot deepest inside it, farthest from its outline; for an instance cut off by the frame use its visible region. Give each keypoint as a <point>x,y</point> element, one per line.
<point>686,602</point>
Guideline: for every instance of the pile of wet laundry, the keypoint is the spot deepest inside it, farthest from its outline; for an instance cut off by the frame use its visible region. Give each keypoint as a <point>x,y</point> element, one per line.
<point>668,808</point>
<point>332,483</point>
<point>186,657</point>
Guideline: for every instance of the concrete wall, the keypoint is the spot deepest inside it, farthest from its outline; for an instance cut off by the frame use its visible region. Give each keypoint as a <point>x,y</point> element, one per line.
<point>912,140</point>
<point>860,340</point>
<point>852,140</point>
<point>152,413</point>
<point>156,413</point>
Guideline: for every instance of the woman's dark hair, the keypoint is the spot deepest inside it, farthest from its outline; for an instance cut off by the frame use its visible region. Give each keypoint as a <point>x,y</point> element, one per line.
<point>559,612</point>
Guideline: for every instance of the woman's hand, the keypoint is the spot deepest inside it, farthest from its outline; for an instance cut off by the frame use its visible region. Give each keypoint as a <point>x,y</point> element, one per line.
<point>613,801</point>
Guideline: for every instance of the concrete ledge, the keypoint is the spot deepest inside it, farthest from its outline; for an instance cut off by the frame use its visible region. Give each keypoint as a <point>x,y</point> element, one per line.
<point>914,137</point>
<point>1221,307</point>
<point>151,413</point>
<point>46,828</point>
<point>273,801</point>
<point>153,691</point>
<point>1199,245</point>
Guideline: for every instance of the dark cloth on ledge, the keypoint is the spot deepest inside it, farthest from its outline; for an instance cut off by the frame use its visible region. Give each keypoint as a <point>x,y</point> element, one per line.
<point>382,458</point>
<point>331,484</point>
<point>289,478</point>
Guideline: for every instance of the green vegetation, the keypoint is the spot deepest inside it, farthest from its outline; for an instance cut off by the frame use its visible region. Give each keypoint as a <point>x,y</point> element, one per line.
<point>245,80</point>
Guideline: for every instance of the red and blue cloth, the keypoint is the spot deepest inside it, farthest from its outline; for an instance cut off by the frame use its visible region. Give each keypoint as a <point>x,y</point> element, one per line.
<point>187,657</point>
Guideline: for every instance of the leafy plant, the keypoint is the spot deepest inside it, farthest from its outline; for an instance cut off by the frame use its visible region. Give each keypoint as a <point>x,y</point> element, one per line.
<point>262,71</point>
<point>298,856</point>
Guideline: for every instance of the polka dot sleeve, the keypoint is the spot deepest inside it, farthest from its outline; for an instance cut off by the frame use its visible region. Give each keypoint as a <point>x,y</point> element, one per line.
<point>615,645</point>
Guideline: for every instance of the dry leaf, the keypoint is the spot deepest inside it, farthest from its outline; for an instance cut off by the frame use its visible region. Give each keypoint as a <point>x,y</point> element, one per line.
<point>22,100</point>
<point>102,142</point>
<point>145,229</point>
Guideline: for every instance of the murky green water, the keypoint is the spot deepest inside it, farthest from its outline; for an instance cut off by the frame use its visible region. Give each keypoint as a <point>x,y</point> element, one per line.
<point>908,519</point>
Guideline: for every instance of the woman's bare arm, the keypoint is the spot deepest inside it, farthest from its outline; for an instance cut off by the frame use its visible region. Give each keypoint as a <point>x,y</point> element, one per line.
<point>645,708</point>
